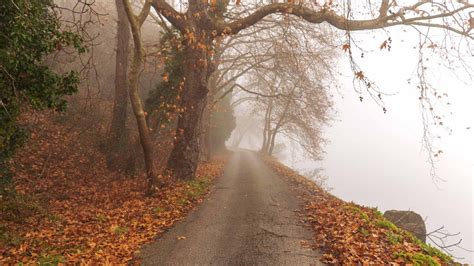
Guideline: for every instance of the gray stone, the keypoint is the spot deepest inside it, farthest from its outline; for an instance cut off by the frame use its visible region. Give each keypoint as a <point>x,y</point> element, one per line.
<point>409,221</point>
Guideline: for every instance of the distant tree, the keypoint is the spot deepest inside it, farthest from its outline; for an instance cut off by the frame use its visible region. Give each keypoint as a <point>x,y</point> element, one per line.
<point>30,31</point>
<point>238,57</point>
<point>285,76</point>
<point>118,139</point>
<point>319,178</point>
<point>303,107</point>
<point>222,123</point>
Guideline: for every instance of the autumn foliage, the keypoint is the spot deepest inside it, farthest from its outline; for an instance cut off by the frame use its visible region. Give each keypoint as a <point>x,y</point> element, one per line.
<point>348,233</point>
<point>77,211</point>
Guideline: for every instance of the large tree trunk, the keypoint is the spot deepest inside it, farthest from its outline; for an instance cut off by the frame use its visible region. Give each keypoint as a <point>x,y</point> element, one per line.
<point>184,158</point>
<point>118,143</point>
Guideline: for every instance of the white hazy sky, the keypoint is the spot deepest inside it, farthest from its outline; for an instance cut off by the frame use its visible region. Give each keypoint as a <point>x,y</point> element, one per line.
<point>377,159</point>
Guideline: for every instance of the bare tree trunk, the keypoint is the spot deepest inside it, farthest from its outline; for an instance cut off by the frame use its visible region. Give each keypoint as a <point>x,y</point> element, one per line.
<point>137,105</point>
<point>272,142</point>
<point>267,127</point>
<point>117,156</point>
<point>274,131</point>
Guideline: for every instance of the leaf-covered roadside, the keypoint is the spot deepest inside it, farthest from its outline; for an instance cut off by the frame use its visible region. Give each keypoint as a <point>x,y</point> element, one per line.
<point>348,233</point>
<point>69,208</point>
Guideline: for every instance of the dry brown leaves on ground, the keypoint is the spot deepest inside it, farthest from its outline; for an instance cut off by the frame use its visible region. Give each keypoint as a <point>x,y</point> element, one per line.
<point>348,233</point>
<point>88,214</point>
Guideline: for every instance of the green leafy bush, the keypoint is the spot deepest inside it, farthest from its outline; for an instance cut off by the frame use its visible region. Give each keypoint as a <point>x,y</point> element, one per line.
<point>29,31</point>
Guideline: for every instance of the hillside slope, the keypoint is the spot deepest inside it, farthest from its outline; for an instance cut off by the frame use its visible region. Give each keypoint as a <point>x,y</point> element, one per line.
<point>66,206</point>
<point>349,233</point>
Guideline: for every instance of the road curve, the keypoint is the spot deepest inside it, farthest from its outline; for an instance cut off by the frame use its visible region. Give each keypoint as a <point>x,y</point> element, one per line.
<point>248,219</point>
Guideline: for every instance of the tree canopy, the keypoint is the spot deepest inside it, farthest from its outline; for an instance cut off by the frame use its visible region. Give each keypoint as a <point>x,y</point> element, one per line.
<point>202,22</point>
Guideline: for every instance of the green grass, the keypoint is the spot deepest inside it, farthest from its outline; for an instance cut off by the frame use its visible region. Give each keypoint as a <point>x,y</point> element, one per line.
<point>363,231</point>
<point>430,250</point>
<point>377,213</point>
<point>382,222</point>
<point>101,217</point>
<point>50,260</point>
<point>197,187</point>
<point>121,230</point>
<point>8,238</point>
<point>16,207</point>
<point>361,213</point>
<point>57,219</point>
<point>417,259</point>
<point>394,238</point>
<point>158,210</point>
<point>395,235</point>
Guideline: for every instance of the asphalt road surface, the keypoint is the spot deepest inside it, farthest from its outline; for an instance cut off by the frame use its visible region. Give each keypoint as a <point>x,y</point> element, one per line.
<point>248,219</point>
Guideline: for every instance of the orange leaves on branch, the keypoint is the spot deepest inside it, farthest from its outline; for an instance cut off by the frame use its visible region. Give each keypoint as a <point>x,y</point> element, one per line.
<point>346,47</point>
<point>432,46</point>
<point>387,44</point>
<point>359,75</point>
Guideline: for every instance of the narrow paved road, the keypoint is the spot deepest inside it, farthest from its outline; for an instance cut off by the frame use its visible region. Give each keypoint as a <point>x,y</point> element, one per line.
<point>248,219</point>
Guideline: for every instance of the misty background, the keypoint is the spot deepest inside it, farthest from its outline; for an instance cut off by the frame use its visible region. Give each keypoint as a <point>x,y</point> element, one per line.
<point>378,159</point>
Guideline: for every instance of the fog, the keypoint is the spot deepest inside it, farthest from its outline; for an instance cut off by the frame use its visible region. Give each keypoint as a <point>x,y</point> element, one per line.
<point>379,160</point>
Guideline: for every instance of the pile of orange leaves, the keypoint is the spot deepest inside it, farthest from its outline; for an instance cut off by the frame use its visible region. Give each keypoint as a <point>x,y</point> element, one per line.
<point>88,214</point>
<point>348,233</point>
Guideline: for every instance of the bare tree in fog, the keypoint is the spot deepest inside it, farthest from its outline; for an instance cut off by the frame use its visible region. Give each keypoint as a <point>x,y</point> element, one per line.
<point>136,22</point>
<point>118,136</point>
<point>287,86</point>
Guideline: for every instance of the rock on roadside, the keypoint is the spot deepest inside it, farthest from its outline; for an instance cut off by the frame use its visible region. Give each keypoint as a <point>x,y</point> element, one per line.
<point>409,221</point>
